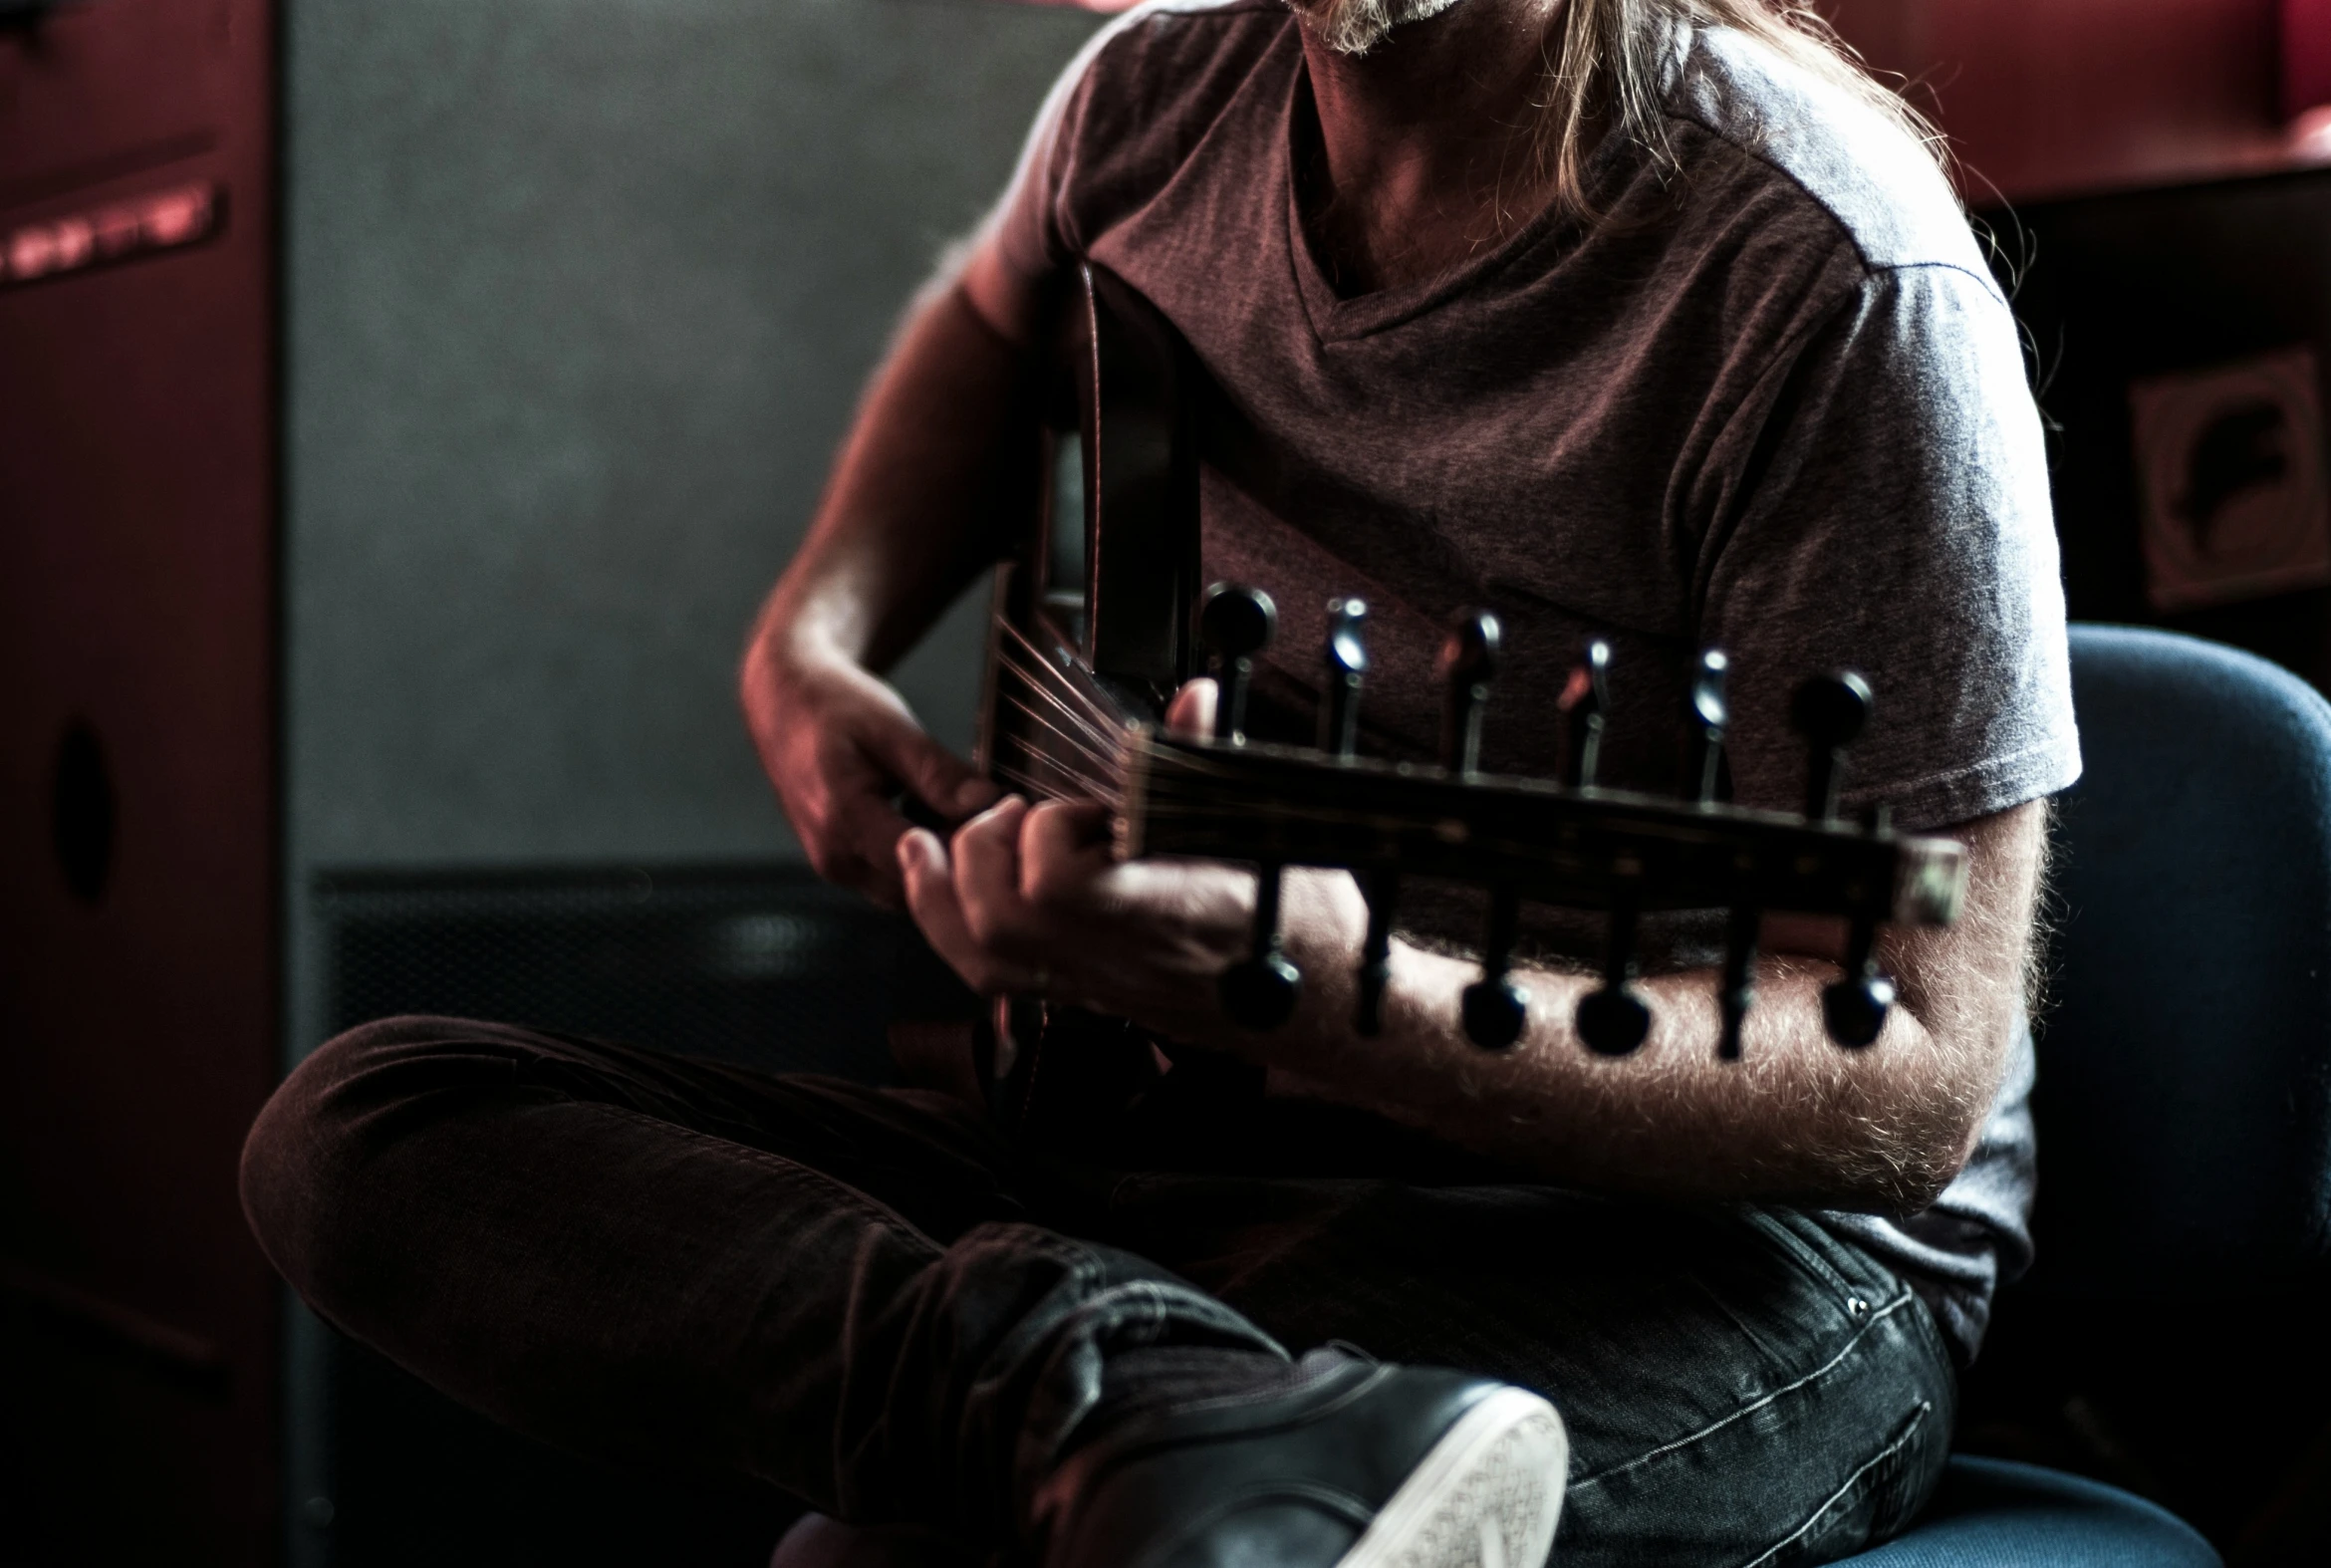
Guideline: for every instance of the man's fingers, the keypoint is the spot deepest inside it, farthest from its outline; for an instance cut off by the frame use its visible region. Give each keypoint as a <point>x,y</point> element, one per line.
<point>860,849</point>
<point>944,782</point>
<point>928,875</point>
<point>931,899</point>
<point>1191,713</point>
<point>986,856</point>
<point>1062,849</point>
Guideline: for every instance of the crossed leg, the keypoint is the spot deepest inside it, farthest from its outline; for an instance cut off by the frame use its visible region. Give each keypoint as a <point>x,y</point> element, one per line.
<point>869,1299</point>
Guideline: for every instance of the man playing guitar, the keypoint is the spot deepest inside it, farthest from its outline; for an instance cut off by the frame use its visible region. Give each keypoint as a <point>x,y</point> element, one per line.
<point>1648,319</point>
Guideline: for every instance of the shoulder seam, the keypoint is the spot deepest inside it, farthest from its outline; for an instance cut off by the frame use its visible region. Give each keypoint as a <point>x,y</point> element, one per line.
<point>1844,231</point>
<point>1870,268</point>
<point>1984,279</point>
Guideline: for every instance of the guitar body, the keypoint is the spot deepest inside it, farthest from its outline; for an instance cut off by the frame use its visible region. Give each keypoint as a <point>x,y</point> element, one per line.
<point>1091,616</point>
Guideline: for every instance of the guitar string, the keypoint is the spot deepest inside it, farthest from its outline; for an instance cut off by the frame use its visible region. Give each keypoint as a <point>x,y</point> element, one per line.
<point>1088,772</point>
<point>1091,782</point>
<point>1085,738</point>
<point>1085,775</point>
<point>1087,708</point>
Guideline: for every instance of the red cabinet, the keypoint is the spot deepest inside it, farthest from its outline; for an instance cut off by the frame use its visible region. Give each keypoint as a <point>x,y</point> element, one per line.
<point>137,823</point>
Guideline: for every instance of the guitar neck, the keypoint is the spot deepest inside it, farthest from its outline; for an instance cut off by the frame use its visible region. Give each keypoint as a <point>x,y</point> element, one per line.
<point>1589,848</point>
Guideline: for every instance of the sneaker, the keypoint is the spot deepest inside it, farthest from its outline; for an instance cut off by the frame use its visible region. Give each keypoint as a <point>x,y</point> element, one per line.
<point>1352,1463</point>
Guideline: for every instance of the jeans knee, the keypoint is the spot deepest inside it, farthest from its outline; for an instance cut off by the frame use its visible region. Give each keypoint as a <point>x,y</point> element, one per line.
<point>309,1141</point>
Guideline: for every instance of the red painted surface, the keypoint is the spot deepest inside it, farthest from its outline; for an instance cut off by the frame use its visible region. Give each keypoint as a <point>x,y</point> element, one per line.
<point>137,1335</point>
<point>2048,97</point>
<point>2306,55</point>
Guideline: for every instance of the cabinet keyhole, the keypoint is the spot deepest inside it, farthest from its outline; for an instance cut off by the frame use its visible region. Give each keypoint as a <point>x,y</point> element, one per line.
<point>83,810</point>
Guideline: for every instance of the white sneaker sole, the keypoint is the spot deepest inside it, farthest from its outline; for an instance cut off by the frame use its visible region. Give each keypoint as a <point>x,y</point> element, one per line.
<point>1487,1495</point>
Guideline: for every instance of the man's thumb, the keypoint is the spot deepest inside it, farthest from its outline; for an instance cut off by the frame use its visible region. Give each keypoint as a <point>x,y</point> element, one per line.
<point>1191,713</point>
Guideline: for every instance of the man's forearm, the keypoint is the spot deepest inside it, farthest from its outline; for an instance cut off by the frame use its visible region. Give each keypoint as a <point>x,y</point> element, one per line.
<point>940,453</point>
<point>1798,1119</point>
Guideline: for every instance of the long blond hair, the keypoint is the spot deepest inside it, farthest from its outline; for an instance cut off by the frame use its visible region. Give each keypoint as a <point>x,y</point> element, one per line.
<point>1604,61</point>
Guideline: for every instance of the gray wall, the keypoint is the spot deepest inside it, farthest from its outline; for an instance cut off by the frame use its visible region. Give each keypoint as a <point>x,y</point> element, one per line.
<point>580,294</point>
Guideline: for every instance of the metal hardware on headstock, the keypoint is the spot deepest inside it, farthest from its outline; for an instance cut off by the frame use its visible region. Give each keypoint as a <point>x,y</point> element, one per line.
<point>1705,717</point>
<point>1346,658</point>
<point>1468,662</point>
<point>1347,666</point>
<point>1831,711</point>
<point>1494,1008</point>
<point>1708,715</point>
<point>1235,625</point>
<point>1586,696</point>
<point>1577,842</point>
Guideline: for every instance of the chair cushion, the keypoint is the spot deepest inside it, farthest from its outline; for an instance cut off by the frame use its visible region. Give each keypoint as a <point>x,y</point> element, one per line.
<point>1989,1514</point>
<point>1994,1513</point>
<point>816,1541</point>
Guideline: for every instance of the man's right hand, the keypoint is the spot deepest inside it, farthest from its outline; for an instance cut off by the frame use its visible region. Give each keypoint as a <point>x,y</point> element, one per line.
<point>841,746</point>
<point>907,521</point>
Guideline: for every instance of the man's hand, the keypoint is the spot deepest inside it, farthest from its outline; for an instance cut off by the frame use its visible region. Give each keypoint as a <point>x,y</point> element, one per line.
<point>1028,898</point>
<point>841,746</point>
<point>909,518</point>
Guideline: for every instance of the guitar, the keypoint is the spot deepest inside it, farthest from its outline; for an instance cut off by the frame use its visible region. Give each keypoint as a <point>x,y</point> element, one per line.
<point>1098,617</point>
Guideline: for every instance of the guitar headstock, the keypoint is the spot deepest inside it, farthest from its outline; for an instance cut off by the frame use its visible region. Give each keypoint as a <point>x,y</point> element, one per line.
<point>1571,842</point>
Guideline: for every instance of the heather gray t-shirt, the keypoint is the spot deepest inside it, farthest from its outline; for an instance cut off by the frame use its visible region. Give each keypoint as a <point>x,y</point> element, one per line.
<point>1772,403</point>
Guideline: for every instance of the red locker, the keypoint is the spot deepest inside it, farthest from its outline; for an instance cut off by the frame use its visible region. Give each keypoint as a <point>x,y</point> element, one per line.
<point>137,837</point>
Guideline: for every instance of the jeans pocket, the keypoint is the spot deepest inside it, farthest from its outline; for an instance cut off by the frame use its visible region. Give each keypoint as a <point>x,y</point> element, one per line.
<point>1877,1501</point>
<point>1804,1242</point>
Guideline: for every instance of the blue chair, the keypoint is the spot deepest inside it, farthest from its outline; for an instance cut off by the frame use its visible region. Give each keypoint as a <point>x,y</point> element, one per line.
<point>2185,1101</point>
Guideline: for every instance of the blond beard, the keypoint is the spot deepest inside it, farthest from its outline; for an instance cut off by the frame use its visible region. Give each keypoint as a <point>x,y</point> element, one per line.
<point>1354,26</point>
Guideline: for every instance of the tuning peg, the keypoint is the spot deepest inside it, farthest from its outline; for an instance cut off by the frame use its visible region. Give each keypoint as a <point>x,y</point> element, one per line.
<point>1347,666</point>
<point>1468,662</point>
<point>1495,1008</point>
<point>1854,1007</point>
<point>1585,699</point>
<point>1614,1020</point>
<point>1705,719</point>
<point>1383,890</point>
<point>1738,988</point>
<point>1235,624</point>
<point>1261,992</point>
<point>1830,712</point>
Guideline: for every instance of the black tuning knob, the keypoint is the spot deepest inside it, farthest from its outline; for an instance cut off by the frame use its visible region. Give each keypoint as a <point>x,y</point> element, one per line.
<point>1235,624</point>
<point>1737,990</point>
<point>1347,666</point>
<point>1706,716</point>
<point>1496,1010</point>
<point>1261,992</point>
<point>1584,699</point>
<point>1468,662</point>
<point>1614,1020</point>
<point>1830,711</point>
<point>1855,1008</point>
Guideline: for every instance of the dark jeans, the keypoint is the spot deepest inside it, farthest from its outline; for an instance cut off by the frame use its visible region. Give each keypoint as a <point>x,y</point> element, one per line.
<point>871,1300</point>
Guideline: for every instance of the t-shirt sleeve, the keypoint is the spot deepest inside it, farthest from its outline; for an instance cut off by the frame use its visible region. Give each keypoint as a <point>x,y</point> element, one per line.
<point>1028,226</point>
<point>1889,514</point>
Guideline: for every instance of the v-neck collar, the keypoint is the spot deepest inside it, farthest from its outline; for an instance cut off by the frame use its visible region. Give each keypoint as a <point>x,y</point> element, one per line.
<point>1333,317</point>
